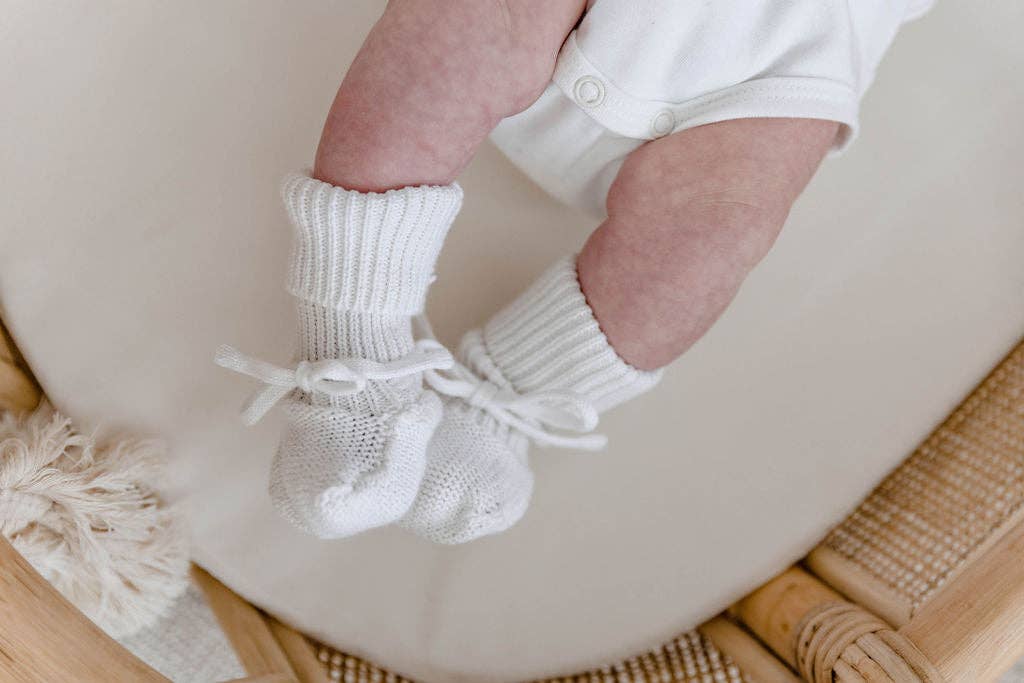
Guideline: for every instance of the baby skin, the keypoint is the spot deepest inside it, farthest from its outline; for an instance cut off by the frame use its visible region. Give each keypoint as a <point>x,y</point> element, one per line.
<point>689,216</point>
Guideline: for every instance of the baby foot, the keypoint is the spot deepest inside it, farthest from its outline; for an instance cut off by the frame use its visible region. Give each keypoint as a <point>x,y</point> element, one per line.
<point>353,452</point>
<point>540,368</point>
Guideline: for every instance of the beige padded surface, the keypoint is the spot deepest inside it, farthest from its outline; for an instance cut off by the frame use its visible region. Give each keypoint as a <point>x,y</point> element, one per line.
<point>140,228</point>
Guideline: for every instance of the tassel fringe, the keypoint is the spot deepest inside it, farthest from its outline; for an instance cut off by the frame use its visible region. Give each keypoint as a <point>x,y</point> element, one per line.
<point>86,516</point>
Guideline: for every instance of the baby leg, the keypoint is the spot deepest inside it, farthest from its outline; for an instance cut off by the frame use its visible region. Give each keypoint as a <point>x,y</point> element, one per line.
<point>689,216</point>
<point>433,78</point>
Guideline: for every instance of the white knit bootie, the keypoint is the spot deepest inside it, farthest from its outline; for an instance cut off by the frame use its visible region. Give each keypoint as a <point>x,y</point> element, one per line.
<point>540,370</point>
<point>353,452</point>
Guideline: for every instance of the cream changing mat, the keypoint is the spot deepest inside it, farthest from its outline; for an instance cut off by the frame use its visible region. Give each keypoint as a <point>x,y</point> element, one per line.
<point>141,228</point>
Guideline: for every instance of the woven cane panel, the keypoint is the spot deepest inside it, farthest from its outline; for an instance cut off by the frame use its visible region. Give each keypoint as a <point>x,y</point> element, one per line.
<point>690,658</point>
<point>944,501</point>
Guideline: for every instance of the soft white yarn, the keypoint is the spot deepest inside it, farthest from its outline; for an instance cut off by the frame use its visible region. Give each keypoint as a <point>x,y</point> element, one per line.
<point>334,378</point>
<point>85,515</point>
<point>540,366</point>
<point>353,451</point>
<point>534,415</point>
<point>366,251</point>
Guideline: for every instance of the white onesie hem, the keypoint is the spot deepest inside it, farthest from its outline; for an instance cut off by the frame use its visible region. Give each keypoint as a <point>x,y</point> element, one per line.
<point>645,119</point>
<point>636,70</point>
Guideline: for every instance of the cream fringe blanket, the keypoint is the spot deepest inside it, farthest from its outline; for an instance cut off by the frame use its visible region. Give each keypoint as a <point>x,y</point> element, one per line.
<point>85,515</point>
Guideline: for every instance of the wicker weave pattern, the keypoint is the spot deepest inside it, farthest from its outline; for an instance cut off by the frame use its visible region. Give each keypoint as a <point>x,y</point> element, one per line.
<point>957,488</point>
<point>690,658</point>
<point>841,641</point>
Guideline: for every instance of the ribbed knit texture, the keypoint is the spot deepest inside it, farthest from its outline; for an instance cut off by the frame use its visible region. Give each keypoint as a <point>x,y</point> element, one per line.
<point>326,333</point>
<point>366,251</point>
<point>548,338</point>
<point>478,480</point>
<point>360,267</point>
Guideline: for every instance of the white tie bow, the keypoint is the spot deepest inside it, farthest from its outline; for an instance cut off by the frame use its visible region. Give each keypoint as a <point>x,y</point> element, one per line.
<point>532,414</point>
<point>334,377</point>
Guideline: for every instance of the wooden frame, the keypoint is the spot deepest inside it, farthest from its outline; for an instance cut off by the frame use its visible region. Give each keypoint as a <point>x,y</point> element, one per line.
<point>826,619</point>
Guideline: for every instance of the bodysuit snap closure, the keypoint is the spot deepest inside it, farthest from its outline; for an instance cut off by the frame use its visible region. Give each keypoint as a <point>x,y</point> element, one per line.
<point>588,91</point>
<point>663,123</point>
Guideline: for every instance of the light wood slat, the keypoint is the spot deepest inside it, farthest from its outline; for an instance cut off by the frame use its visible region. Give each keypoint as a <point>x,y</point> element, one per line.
<point>18,390</point>
<point>973,628</point>
<point>859,585</point>
<point>825,637</point>
<point>757,663</point>
<point>300,652</point>
<point>269,678</point>
<point>775,610</point>
<point>245,628</point>
<point>44,639</point>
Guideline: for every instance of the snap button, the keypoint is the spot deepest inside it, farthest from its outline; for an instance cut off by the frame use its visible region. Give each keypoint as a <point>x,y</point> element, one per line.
<point>589,91</point>
<point>663,123</point>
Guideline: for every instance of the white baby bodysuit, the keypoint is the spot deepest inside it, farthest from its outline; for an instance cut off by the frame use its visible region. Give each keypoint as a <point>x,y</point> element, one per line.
<point>636,70</point>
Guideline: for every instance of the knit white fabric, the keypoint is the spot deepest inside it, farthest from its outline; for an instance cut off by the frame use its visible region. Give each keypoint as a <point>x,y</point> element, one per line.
<point>533,363</point>
<point>354,447</point>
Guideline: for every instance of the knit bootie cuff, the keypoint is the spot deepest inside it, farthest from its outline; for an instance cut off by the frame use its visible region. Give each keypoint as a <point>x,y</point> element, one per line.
<point>366,251</point>
<point>548,338</point>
